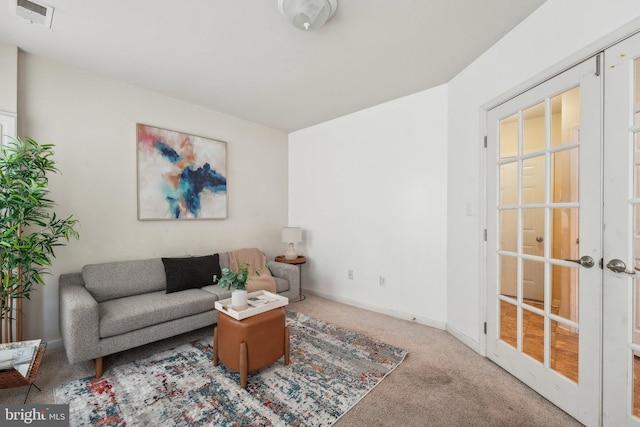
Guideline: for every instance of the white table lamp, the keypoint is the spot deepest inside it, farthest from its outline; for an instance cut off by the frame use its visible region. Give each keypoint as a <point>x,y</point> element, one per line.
<point>291,235</point>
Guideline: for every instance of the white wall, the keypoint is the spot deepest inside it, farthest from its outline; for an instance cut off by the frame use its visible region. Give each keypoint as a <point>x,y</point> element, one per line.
<point>369,191</point>
<point>557,30</point>
<point>92,121</point>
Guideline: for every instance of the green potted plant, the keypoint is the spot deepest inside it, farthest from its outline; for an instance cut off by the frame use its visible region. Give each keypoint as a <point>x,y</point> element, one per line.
<point>238,281</point>
<point>29,229</point>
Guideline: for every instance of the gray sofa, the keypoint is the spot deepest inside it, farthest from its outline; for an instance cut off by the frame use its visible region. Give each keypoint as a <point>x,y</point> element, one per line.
<point>117,306</point>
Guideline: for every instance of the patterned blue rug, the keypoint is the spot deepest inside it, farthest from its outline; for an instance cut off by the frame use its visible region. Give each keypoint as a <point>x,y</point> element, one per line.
<point>331,370</point>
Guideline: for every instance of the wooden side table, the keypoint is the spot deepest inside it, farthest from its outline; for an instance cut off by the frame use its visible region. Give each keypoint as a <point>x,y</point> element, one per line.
<point>298,261</point>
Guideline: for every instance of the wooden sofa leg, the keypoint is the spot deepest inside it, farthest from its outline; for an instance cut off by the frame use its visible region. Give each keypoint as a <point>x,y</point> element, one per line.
<point>98,367</point>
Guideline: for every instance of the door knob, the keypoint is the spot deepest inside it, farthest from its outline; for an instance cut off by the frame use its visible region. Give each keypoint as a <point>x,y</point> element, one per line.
<point>619,266</point>
<point>539,239</point>
<point>586,261</point>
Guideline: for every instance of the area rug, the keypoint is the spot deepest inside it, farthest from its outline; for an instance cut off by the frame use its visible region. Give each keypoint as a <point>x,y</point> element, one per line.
<point>331,369</point>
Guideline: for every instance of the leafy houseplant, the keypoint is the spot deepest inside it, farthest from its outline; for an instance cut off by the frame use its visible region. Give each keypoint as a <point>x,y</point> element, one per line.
<point>231,279</point>
<point>29,230</point>
<point>238,281</point>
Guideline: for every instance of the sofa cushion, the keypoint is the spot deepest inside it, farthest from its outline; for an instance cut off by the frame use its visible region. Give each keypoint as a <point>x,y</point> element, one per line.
<point>120,279</point>
<point>219,292</point>
<point>190,272</point>
<point>121,315</point>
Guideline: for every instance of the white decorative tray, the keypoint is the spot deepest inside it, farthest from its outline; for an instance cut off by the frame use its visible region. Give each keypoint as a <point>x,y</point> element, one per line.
<point>259,302</point>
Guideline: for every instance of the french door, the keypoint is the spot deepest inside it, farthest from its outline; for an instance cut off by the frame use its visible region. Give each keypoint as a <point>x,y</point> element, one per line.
<point>621,238</point>
<point>544,234</point>
<point>563,238</point>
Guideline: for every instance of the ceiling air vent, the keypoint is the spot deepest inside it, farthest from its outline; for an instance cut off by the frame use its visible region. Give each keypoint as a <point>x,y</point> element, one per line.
<point>37,13</point>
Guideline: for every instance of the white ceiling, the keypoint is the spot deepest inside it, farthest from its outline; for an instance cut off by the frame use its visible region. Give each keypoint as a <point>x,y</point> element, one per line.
<point>242,58</point>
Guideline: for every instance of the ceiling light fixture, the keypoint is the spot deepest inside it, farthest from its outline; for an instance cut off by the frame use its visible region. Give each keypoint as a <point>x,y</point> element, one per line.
<point>307,14</point>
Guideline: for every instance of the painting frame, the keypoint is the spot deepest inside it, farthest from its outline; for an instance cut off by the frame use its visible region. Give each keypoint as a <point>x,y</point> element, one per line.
<point>180,176</point>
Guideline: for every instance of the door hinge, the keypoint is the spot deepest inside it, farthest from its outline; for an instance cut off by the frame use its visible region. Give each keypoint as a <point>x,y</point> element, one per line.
<point>485,328</point>
<point>601,263</point>
<point>485,234</point>
<point>485,141</point>
<point>598,65</point>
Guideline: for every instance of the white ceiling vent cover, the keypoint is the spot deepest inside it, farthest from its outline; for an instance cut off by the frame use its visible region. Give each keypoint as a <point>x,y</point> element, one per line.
<point>37,13</point>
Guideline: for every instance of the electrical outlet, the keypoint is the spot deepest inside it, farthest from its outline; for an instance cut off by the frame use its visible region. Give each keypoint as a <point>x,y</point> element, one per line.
<point>350,274</point>
<point>383,280</point>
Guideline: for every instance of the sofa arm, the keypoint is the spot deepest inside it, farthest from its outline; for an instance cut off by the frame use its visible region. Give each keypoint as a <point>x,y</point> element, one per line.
<point>291,273</point>
<point>79,319</point>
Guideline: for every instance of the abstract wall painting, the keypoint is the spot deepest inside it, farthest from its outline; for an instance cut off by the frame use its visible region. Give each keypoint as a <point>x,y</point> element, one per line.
<point>180,176</point>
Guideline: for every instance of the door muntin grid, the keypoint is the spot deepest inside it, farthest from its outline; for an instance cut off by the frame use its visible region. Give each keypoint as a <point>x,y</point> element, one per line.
<point>538,214</point>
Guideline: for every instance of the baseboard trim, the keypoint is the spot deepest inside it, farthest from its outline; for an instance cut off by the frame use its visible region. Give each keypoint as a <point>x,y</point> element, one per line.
<point>473,345</point>
<point>457,334</point>
<point>56,343</point>
<point>393,313</point>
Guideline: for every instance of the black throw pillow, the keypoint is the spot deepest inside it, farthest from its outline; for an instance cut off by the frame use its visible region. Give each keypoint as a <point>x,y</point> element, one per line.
<point>190,272</point>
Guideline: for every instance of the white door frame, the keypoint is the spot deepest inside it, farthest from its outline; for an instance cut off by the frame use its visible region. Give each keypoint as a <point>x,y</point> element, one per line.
<point>7,126</point>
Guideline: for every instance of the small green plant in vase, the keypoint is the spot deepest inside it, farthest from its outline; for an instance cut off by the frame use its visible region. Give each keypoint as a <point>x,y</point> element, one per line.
<point>238,281</point>
<point>231,279</point>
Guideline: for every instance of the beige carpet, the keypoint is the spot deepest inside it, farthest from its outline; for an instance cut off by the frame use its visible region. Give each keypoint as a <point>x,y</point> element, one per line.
<point>441,382</point>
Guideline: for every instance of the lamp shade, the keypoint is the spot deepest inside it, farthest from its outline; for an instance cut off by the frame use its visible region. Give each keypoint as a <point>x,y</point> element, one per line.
<point>291,235</point>
<point>307,14</point>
